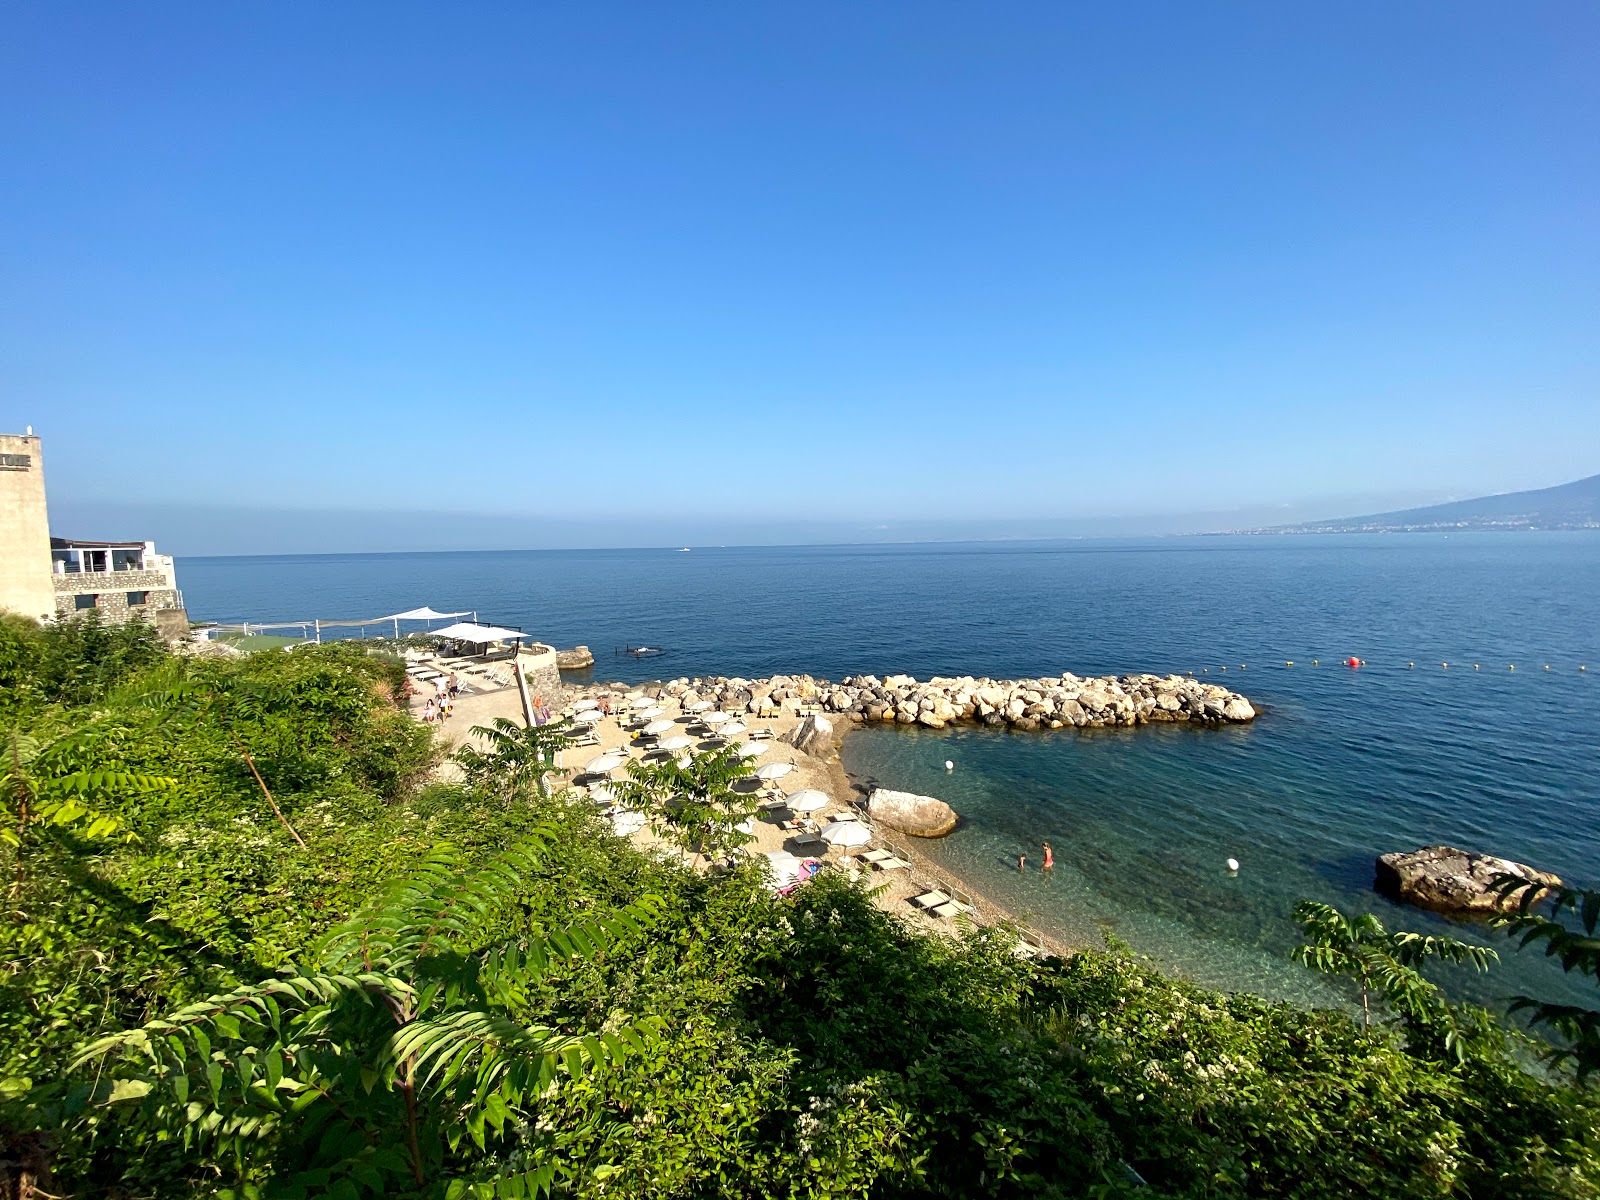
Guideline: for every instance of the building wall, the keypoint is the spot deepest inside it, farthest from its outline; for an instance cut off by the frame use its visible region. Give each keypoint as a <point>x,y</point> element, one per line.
<point>538,665</point>
<point>25,585</point>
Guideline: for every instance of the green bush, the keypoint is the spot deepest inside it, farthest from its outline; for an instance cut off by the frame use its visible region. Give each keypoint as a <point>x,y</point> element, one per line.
<point>805,1047</point>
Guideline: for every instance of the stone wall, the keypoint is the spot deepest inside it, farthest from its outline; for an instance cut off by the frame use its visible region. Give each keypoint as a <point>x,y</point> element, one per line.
<point>112,603</point>
<point>76,582</point>
<point>538,667</point>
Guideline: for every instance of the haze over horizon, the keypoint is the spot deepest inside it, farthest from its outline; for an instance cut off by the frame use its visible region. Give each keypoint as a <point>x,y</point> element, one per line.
<point>373,278</point>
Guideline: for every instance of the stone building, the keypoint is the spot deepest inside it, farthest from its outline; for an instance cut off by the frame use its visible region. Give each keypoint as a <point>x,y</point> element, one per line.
<point>118,580</point>
<point>44,577</point>
<point>25,585</point>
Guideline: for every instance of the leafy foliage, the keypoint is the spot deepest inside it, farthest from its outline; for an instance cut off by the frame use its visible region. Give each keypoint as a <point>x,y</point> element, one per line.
<point>476,979</point>
<point>1577,949</point>
<point>1386,963</point>
<point>365,1071</point>
<point>696,801</point>
<point>514,756</point>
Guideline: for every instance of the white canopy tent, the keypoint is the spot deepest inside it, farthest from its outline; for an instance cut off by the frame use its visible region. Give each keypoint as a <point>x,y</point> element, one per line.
<point>424,613</point>
<point>478,635</point>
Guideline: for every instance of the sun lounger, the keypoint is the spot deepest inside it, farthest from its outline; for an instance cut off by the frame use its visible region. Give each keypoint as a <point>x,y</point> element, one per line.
<point>807,838</point>
<point>930,900</point>
<point>892,864</point>
<point>874,856</point>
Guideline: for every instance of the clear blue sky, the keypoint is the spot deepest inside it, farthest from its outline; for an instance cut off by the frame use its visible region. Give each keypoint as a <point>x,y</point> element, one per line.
<point>837,263</point>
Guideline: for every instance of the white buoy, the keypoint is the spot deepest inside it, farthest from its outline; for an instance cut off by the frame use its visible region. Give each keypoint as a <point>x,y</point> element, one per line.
<point>948,765</point>
<point>1233,864</point>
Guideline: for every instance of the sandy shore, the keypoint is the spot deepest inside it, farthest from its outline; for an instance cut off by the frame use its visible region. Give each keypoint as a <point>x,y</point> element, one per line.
<point>824,773</point>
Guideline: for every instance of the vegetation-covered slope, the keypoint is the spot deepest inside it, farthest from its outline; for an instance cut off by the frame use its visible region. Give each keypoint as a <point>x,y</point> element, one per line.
<point>449,991</point>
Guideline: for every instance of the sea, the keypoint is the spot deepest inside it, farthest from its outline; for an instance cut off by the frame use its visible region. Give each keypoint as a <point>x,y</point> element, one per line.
<point>1474,721</point>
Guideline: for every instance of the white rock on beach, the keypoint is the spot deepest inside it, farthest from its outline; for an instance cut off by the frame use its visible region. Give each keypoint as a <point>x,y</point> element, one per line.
<point>919,816</point>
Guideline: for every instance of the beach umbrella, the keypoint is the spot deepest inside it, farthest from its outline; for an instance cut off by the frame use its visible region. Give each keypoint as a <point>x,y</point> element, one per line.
<point>656,727</point>
<point>700,706</point>
<point>808,801</point>
<point>588,716</point>
<point>654,710</point>
<point>751,750</point>
<point>583,705</point>
<point>609,761</point>
<point>715,717</point>
<point>602,794</point>
<point>625,823</point>
<point>775,770</point>
<point>847,833</point>
<point>733,729</point>
<point>675,743</point>
<point>748,825</point>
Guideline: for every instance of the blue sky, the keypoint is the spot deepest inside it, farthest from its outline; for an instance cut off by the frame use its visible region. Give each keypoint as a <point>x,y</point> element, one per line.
<point>641,271</point>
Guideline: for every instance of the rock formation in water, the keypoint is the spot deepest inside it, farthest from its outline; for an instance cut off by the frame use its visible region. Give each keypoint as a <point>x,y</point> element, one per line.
<point>1445,879</point>
<point>577,659</point>
<point>907,812</point>
<point>1053,702</point>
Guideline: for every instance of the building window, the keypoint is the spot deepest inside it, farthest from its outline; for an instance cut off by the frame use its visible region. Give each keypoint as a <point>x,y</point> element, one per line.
<point>137,598</point>
<point>127,560</point>
<point>86,601</point>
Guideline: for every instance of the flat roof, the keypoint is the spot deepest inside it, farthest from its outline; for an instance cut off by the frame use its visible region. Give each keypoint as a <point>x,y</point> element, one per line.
<point>80,544</point>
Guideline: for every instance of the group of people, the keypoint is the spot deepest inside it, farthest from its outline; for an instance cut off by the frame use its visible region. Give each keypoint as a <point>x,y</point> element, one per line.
<point>1049,860</point>
<point>440,706</point>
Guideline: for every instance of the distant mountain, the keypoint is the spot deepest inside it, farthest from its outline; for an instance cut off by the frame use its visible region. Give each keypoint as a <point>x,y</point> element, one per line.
<point>1570,506</point>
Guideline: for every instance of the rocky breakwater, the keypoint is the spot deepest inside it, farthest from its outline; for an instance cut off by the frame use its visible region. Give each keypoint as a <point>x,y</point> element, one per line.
<point>1053,702</point>
<point>1048,703</point>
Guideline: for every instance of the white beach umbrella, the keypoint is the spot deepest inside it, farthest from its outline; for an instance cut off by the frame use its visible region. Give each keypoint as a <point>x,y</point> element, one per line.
<point>676,743</point>
<point>601,793</point>
<point>775,770</point>
<point>655,710</point>
<point>588,716</point>
<point>609,761</point>
<point>656,727</point>
<point>716,717</point>
<point>583,705</point>
<point>733,729</point>
<point>751,750</point>
<point>748,825</point>
<point>783,867</point>
<point>625,823</point>
<point>808,801</point>
<point>847,833</point>
<point>699,706</point>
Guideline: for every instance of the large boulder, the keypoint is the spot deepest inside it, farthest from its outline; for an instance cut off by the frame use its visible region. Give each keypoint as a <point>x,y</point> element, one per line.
<point>1445,879</point>
<point>814,735</point>
<point>919,816</point>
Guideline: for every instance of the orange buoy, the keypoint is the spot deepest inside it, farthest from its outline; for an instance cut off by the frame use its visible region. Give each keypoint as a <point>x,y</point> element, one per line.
<point>1353,661</point>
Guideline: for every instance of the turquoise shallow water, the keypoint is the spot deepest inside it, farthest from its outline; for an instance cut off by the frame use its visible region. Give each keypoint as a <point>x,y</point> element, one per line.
<point>1341,766</point>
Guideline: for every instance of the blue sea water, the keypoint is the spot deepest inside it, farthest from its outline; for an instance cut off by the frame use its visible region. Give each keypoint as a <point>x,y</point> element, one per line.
<point>1341,766</point>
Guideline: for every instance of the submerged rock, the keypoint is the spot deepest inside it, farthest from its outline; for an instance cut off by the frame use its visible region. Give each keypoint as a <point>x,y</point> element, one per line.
<point>1445,879</point>
<point>919,816</point>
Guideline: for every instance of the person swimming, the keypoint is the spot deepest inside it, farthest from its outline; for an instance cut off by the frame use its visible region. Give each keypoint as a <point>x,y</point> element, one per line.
<point>1049,859</point>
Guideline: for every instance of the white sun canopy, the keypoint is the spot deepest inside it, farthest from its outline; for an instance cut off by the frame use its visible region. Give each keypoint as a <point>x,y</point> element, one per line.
<point>416,614</point>
<point>467,631</point>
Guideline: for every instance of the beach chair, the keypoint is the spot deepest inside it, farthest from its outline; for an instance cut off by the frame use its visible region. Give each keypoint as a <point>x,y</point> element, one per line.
<point>932,896</point>
<point>807,837</point>
<point>874,857</point>
<point>1029,945</point>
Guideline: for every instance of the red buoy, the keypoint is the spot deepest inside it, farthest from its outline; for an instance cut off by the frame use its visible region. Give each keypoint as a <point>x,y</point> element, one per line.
<point>1353,662</point>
